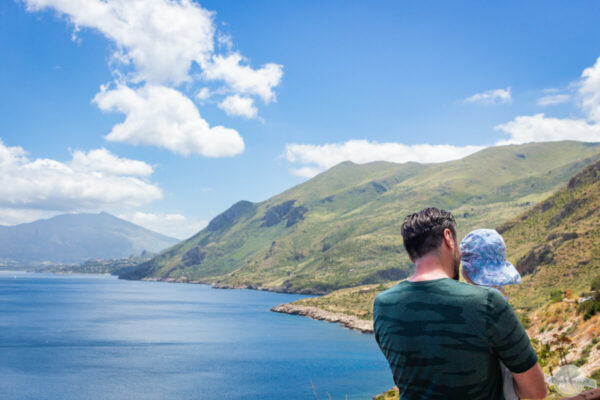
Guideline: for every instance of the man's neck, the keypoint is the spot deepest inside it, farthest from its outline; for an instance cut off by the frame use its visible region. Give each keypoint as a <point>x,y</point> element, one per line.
<point>428,268</point>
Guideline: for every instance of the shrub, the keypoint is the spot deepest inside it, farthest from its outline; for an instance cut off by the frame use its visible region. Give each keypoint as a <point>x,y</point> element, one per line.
<point>596,376</point>
<point>525,320</point>
<point>590,307</point>
<point>557,295</point>
<point>581,361</point>
<point>595,283</point>
<point>585,353</point>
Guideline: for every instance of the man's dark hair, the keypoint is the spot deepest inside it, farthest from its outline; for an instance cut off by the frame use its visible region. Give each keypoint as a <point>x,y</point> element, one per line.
<point>423,231</point>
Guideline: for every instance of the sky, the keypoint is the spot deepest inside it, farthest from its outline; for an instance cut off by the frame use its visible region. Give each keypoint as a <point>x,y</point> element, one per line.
<point>167,112</point>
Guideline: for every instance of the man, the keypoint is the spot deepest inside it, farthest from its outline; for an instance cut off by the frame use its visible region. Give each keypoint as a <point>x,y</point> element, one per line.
<point>443,338</point>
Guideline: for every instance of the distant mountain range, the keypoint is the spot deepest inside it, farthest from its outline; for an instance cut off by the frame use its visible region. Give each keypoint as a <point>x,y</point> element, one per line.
<point>76,238</point>
<point>341,228</point>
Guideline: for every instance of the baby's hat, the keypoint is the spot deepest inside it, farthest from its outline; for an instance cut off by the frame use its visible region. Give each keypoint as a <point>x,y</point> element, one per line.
<point>484,259</point>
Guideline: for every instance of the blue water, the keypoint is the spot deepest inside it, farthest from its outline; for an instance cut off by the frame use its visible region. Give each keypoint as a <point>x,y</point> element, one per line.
<point>95,337</point>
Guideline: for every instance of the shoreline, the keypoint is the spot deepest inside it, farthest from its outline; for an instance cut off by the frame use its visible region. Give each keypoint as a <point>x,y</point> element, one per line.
<point>276,289</point>
<point>346,321</point>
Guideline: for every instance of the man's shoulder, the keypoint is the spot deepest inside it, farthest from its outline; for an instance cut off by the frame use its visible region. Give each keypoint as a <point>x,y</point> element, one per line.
<point>388,294</point>
<point>441,285</point>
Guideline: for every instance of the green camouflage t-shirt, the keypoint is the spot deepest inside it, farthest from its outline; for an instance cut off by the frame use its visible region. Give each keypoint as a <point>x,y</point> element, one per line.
<point>443,339</point>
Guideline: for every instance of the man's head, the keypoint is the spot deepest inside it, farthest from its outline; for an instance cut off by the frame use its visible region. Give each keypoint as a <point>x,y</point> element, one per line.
<point>432,232</point>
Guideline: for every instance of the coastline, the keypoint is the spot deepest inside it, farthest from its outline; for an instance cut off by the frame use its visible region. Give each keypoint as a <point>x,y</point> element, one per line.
<point>276,289</point>
<point>315,313</point>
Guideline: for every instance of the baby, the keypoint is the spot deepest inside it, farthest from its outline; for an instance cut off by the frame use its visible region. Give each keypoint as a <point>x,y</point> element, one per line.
<point>484,263</point>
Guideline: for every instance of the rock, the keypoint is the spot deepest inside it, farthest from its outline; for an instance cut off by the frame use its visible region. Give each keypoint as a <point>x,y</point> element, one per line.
<point>296,214</point>
<point>285,210</point>
<point>537,256</point>
<point>567,210</point>
<point>547,205</point>
<point>379,188</point>
<point>563,236</point>
<point>231,215</point>
<point>193,256</point>
<point>344,320</point>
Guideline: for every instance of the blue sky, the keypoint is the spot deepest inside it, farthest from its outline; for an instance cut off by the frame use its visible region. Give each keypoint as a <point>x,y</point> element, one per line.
<point>166,113</point>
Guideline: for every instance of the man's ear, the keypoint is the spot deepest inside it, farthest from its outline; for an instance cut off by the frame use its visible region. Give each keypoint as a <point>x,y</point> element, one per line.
<point>449,239</point>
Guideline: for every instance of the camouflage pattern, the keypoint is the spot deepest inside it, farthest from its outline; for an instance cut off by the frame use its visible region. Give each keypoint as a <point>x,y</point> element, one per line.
<point>484,259</point>
<point>443,339</point>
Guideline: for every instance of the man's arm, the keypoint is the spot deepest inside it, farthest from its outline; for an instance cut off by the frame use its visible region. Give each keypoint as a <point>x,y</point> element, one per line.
<point>530,384</point>
<point>510,342</point>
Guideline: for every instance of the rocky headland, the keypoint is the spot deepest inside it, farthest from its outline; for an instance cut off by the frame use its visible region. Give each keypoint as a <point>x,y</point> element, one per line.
<point>347,321</point>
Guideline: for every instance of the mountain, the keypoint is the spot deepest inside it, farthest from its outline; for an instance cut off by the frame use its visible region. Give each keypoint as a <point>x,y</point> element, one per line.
<point>75,238</point>
<point>556,244</point>
<point>341,228</point>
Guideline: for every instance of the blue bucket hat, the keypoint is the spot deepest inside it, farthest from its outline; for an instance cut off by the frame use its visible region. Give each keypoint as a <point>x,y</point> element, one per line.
<point>484,259</point>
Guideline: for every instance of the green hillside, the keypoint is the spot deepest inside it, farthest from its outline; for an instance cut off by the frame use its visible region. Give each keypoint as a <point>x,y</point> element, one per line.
<point>556,245</point>
<point>341,228</point>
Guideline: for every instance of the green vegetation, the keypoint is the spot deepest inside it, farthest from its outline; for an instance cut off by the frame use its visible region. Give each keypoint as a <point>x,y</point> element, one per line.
<point>341,228</point>
<point>557,295</point>
<point>391,394</point>
<point>590,307</point>
<point>546,356</point>
<point>555,244</point>
<point>100,266</point>
<point>576,260</point>
<point>596,376</point>
<point>574,263</point>
<point>356,301</point>
<point>524,319</point>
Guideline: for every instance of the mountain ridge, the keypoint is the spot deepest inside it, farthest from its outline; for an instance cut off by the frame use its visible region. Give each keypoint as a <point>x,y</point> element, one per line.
<point>340,229</point>
<point>75,238</point>
<point>555,244</point>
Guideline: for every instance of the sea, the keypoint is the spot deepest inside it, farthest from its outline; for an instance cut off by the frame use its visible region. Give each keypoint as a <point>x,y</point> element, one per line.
<point>81,336</point>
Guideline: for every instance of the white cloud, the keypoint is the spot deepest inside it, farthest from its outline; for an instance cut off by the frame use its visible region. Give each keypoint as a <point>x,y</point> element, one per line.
<point>175,225</point>
<point>539,128</point>
<point>322,157</point>
<point>16,216</point>
<point>239,106</point>
<point>307,172</point>
<point>242,78</point>
<point>314,159</point>
<point>163,117</point>
<point>165,43</point>
<point>203,94</point>
<point>589,92</point>
<point>45,184</point>
<point>496,96</point>
<point>104,161</point>
<point>161,38</point>
<point>553,99</point>
<point>225,40</point>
